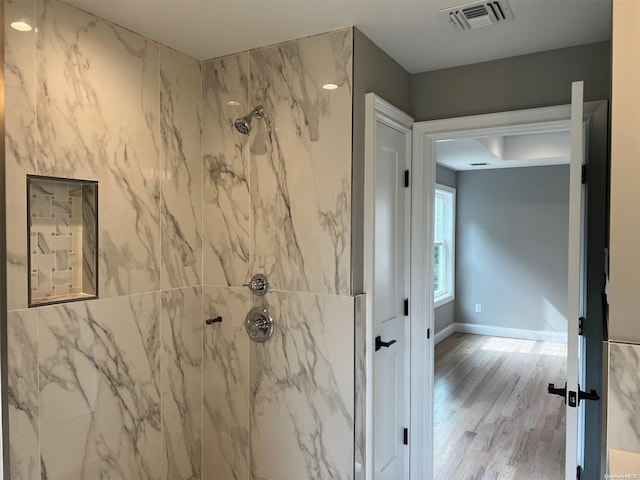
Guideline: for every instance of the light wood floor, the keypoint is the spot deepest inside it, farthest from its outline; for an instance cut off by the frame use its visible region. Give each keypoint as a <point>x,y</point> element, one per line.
<point>493,416</point>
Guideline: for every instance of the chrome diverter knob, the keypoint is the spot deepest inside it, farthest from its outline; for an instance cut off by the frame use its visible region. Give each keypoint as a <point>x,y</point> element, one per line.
<point>258,284</point>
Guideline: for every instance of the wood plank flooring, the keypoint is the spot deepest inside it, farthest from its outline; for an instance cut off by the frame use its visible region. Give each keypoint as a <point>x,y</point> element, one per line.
<point>493,416</point>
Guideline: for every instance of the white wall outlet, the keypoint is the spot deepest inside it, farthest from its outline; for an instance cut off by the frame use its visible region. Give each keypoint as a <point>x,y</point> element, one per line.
<point>478,307</point>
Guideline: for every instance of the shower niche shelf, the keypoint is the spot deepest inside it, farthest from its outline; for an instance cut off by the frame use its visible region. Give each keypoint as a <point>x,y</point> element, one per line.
<point>62,223</point>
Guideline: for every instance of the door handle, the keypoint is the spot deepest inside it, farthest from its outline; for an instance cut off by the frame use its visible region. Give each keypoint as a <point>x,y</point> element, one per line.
<point>573,401</point>
<point>380,343</point>
<point>553,390</point>
<point>591,395</point>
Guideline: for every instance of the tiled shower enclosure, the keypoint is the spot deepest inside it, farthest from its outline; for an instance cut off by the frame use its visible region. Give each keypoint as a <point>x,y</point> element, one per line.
<point>134,384</point>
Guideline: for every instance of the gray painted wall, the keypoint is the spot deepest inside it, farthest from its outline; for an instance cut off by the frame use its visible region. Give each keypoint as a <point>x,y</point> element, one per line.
<point>526,81</point>
<point>373,71</point>
<point>512,227</point>
<point>446,176</point>
<point>445,314</point>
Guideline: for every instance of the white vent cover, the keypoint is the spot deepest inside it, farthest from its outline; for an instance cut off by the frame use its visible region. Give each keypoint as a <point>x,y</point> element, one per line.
<point>478,14</point>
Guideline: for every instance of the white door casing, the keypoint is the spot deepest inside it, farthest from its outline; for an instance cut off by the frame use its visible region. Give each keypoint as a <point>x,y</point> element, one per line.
<point>387,215</point>
<point>426,134</point>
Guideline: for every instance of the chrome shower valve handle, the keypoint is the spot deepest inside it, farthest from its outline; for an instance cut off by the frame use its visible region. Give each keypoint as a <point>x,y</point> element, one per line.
<point>258,284</point>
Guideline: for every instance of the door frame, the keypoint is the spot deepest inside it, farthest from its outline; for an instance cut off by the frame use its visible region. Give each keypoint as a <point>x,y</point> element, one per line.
<point>377,110</point>
<point>426,134</point>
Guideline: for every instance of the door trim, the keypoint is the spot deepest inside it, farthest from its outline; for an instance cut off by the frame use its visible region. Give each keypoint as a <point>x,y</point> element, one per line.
<point>376,110</point>
<point>426,134</point>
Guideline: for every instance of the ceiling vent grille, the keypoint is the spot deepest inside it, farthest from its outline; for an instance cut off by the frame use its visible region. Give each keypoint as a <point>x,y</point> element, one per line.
<point>478,14</point>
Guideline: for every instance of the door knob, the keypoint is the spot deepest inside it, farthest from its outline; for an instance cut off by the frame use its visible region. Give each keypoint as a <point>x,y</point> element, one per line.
<point>380,343</point>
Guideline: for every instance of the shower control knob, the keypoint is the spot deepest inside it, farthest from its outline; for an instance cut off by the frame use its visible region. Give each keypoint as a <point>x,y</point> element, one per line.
<point>258,284</point>
<point>259,324</point>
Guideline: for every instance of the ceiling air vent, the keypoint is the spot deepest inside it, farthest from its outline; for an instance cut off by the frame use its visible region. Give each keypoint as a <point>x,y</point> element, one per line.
<point>478,14</point>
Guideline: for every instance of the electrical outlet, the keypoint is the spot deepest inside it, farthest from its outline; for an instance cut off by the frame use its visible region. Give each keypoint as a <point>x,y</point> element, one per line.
<point>478,307</point>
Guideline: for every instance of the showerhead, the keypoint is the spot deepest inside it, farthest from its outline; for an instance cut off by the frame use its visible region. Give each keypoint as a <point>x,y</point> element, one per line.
<point>243,125</point>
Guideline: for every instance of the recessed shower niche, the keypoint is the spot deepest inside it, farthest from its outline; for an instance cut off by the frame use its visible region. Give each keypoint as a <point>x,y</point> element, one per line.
<point>63,239</point>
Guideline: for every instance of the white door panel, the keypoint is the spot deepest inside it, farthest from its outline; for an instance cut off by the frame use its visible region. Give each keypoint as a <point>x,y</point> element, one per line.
<point>575,261</point>
<point>390,367</point>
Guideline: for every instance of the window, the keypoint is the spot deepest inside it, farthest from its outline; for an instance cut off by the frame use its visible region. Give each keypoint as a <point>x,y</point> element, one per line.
<point>444,245</point>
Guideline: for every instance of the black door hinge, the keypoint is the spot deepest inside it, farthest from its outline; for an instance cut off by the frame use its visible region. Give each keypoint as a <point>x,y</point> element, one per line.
<point>406,436</point>
<point>578,472</point>
<point>406,178</point>
<point>428,333</point>
<point>406,307</point>
<point>584,174</point>
<point>581,326</point>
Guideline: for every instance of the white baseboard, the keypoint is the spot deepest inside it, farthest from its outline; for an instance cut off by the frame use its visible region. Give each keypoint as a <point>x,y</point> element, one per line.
<point>538,335</point>
<point>444,333</point>
<point>542,335</point>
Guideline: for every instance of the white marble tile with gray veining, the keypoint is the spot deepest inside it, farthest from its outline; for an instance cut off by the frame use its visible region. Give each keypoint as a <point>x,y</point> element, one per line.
<point>98,119</point>
<point>182,325</point>
<point>302,390</point>
<point>181,233</point>
<point>227,225</point>
<point>226,385</point>
<point>131,399</point>
<point>20,139</point>
<point>99,389</point>
<point>300,188</point>
<point>624,397</point>
<point>22,373</point>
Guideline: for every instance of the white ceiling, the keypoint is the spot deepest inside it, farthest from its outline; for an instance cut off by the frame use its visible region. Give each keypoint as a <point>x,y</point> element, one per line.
<point>413,32</point>
<point>529,150</point>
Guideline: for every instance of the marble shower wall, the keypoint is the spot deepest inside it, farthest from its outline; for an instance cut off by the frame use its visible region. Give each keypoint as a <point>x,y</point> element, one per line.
<point>623,420</point>
<point>277,201</point>
<point>108,388</point>
<point>131,385</point>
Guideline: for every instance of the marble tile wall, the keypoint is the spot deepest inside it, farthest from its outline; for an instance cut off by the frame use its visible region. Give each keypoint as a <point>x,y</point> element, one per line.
<point>133,385</point>
<point>302,390</point>
<point>226,385</point>
<point>107,388</point>
<point>278,202</point>
<point>623,419</point>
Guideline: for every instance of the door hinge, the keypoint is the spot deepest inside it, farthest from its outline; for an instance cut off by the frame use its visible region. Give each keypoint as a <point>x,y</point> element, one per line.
<point>578,472</point>
<point>584,174</point>
<point>406,307</point>
<point>581,326</point>
<point>406,178</point>
<point>428,333</point>
<point>406,436</point>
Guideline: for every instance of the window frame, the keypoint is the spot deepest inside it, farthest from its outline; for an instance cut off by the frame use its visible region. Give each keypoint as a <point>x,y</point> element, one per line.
<point>449,232</point>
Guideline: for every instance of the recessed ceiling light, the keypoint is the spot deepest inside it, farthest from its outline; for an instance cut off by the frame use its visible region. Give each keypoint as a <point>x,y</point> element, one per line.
<point>21,26</point>
<point>329,86</point>
<point>233,103</point>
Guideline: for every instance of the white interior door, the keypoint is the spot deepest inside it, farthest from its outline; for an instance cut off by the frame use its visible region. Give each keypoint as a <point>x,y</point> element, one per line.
<point>575,303</point>
<point>391,344</point>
